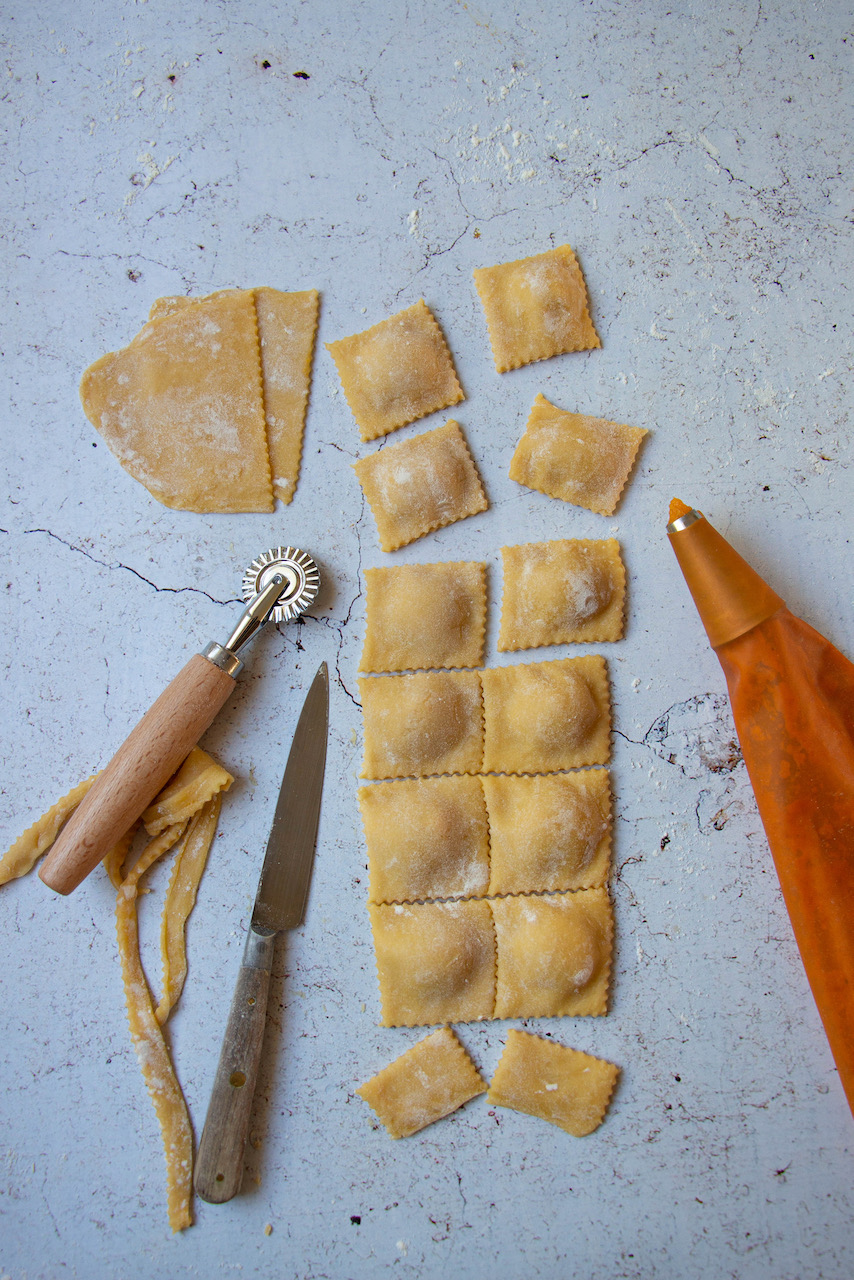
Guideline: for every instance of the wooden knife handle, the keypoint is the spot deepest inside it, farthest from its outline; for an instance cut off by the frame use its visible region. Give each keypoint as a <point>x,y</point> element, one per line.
<point>143,764</point>
<point>219,1163</point>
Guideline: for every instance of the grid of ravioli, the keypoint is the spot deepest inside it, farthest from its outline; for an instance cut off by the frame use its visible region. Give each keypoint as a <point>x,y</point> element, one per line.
<point>469,837</point>
<point>523,956</point>
<point>488,824</point>
<point>489,840</point>
<point>536,717</point>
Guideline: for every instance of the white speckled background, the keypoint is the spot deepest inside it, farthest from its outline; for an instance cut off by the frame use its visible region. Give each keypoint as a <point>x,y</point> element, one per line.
<point>695,157</point>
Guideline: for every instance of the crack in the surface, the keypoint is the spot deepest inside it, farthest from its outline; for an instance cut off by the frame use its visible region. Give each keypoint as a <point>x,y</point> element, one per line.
<point>346,621</point>
<point>120,257</point>
<point>710,744</point>
<point>115,565</point>
<point>428,255</point>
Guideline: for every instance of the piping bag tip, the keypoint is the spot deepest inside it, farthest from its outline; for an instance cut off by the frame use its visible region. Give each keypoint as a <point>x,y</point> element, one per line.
<point>730,596</point>
<point>678,508</point>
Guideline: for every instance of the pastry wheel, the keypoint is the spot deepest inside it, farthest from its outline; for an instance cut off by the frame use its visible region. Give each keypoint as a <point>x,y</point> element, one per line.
<point>279,586</point>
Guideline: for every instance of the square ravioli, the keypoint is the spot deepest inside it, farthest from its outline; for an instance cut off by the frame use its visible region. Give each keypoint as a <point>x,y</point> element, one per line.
<point>551,832</point>
<point>428,1082</point>
<point>554,954</point>
<point>564,1086</point>
<point>540,717</point>
<point>426,838</point>
<point>396,372</point>
<point>426,723</point>
<point>569,591</point>
<point>535,308</point>
<point>421,484</point>
<point>571,456</point>
<point>423,616</point>
<point>435,962</point>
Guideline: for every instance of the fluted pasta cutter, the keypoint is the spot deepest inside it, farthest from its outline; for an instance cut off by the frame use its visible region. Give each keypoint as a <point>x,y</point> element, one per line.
<point>279,586</point>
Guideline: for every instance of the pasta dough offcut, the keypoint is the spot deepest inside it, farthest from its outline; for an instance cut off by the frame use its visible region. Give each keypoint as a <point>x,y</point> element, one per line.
<point>207,396</point>
<point>564,1086</point>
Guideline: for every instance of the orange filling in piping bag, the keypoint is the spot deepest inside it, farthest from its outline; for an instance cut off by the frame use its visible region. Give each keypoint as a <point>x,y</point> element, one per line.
<point>792,696</point>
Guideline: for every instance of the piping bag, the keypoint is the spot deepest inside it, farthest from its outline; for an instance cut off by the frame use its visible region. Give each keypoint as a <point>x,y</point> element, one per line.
<point>792,696</point>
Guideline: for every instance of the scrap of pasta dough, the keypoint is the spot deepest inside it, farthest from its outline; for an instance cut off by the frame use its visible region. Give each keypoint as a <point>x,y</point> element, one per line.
<point>426,838</point>
<point>161,307</point>
<point>435,962</point>
<point>114,861</point>
<point>190,861</point>
<point>536,308</point>
<point>582,460</point>
<point>287,324</point>
<point>540,717</point>
<point>20,858</point>
<point>429,1081</point>
<point>199,778</point>
<point>422,616</point>
<point>421,484</point>
<point>569,591</point>
<point>564,1086</point>
<point>182,406</point>
<point>396,372</point>
<point>147,1037</point>
<point>550,832</point>
<point>426,723</point>
<point>184,816</point>
<point>554,954</point>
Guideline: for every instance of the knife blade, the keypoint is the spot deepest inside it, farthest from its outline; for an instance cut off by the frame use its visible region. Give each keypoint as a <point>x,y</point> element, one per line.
<point>279,904</point>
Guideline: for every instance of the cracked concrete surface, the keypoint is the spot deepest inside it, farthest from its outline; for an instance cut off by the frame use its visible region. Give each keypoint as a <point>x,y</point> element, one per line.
<point>697,161</point>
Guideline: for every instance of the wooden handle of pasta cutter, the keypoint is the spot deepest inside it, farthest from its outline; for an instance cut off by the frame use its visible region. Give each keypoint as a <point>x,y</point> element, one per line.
<point>146,760</point>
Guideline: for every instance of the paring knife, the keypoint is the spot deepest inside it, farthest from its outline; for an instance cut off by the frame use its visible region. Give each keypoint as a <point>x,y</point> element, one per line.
<point>279,904</point>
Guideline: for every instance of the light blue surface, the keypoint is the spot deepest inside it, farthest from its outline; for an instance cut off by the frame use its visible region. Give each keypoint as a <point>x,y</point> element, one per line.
<point>696,159</point>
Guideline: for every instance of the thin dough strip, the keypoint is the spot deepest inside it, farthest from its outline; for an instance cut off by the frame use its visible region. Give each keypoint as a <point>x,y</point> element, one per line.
<point>148,1041</point>
<point>115,860</point>
<point>190,862</point>
<point>37,839</point>
<point>196,782</point>
<point>185,813</point>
